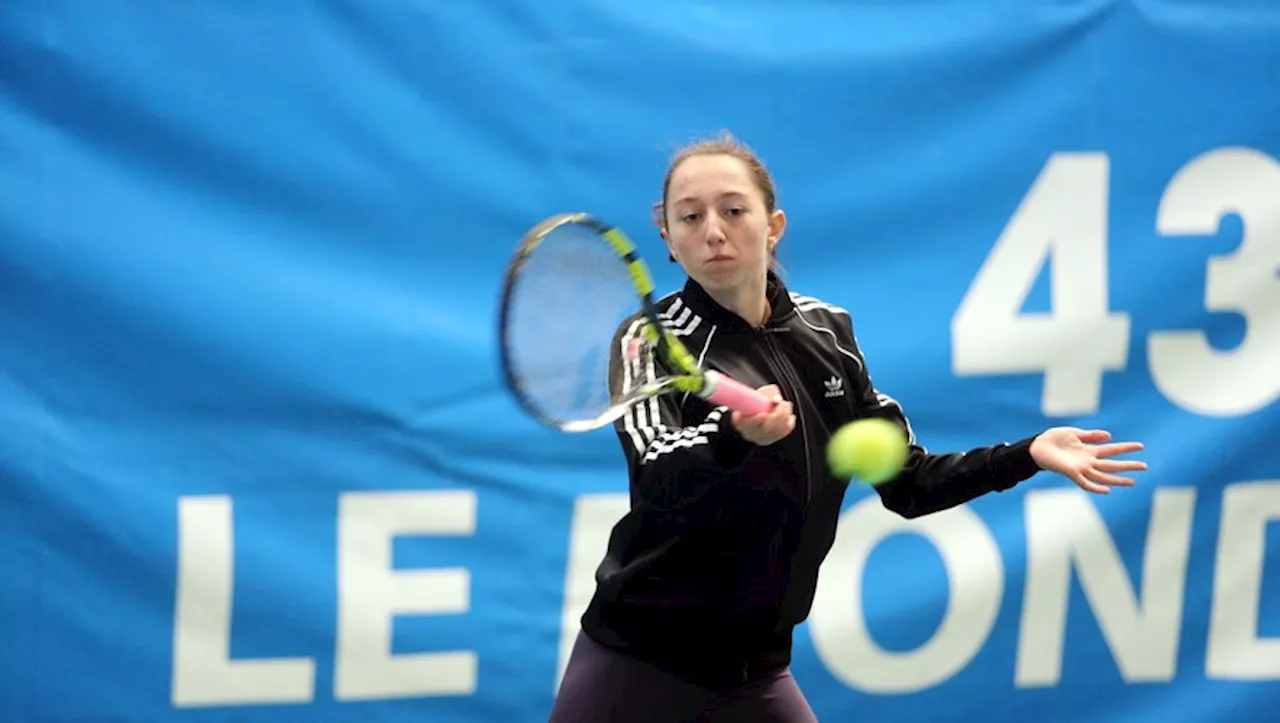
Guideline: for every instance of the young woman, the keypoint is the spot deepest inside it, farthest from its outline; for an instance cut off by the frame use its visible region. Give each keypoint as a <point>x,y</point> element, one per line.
<point>731,516</point>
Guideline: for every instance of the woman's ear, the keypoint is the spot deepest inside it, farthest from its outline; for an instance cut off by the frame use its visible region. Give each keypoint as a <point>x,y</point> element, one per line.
<point>777,225</point>
<point>659,217</point>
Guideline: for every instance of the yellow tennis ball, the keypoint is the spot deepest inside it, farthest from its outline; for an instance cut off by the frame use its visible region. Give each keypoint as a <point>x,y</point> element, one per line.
<point>872,450</point>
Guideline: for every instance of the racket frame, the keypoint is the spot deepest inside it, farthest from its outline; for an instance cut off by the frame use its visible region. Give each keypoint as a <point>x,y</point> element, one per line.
<point>687,376</point>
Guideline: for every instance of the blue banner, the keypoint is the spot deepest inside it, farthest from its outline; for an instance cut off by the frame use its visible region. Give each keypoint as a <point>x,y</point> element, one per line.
<point>258,464</point>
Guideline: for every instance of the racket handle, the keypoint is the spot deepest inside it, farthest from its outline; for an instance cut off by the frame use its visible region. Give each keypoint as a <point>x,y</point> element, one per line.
<point>723,390</point>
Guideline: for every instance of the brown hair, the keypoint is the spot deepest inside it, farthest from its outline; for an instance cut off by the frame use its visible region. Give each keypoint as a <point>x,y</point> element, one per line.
<point>723,145</point>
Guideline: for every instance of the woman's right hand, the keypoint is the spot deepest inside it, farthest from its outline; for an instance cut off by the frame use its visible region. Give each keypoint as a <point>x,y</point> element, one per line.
<point>769,427</point>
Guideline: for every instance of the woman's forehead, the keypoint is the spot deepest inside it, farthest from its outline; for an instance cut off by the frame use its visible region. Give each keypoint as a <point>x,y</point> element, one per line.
<point>710,175</point>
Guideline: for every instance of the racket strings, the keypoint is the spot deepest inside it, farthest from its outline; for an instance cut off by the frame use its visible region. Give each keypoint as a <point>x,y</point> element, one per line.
<point>567,301</point>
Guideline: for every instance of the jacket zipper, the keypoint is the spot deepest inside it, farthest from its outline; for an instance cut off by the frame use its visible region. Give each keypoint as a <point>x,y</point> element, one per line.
<point>790,390</point>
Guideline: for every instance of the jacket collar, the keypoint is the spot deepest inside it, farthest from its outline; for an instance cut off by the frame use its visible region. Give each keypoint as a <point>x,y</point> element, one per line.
<point>700,302</point>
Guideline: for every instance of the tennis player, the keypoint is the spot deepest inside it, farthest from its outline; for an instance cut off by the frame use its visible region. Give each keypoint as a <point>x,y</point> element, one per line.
<point>717,561</point>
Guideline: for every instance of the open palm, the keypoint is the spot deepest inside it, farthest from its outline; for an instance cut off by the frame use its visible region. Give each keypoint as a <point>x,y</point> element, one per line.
<point>1086,457</point>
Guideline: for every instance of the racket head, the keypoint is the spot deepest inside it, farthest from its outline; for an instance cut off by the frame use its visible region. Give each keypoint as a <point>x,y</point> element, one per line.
<point>572,287</point>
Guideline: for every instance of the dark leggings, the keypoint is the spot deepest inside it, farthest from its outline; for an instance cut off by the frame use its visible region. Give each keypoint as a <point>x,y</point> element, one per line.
<point>603,686</point>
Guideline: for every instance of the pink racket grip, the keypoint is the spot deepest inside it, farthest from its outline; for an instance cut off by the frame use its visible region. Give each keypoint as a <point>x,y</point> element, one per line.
<point>722,390</point>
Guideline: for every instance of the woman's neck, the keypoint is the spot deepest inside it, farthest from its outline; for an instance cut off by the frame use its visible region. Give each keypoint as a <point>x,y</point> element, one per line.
<point>748,301</point>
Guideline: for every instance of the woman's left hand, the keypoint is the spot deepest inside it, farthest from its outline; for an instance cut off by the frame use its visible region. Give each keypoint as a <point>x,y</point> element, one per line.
<point>1085,457</point>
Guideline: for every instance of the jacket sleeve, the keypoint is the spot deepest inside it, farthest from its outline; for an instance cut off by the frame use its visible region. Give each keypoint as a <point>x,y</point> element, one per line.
<point>933,482</point>
<point>675,464</point>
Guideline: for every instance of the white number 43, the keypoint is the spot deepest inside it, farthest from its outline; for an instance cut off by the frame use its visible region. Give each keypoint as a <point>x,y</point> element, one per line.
<point>1062,223</point>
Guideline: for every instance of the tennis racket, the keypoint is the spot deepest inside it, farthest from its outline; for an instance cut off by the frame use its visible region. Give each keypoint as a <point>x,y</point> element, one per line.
<point>574,289</point>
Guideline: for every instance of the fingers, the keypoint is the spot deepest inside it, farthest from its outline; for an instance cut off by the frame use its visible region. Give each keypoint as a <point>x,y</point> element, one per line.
<point>1112,480</point>
<point>1098,480</point>
<point>785,425</point>
<point>1094,436</point>
<point>778,423</point>
<point>766,428</point>
<point>1117,448</point>
<point>1120,465</point>
<point>1082,479</point>
<point>771,391</point>
<point>1084,457</point>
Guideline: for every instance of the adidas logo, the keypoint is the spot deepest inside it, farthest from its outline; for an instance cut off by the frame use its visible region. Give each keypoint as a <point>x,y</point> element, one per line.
<point>835,387</point>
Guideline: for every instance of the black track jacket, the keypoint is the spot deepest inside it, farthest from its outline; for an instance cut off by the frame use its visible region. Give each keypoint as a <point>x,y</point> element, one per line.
<point>718,558</point>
